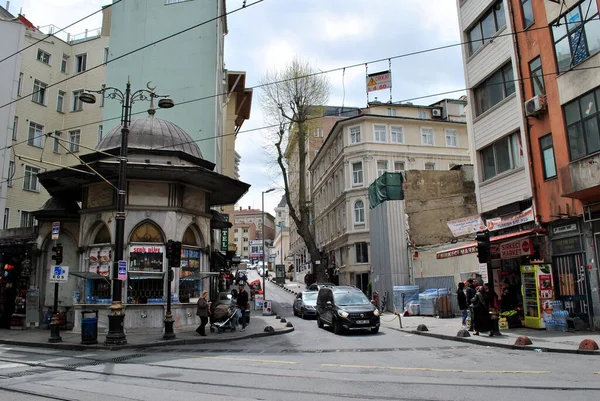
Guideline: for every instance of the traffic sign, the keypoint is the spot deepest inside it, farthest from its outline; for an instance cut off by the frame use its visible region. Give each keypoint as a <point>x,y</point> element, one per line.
<point>59,274</point>
<point>122,270</point>
<point>379,81</point>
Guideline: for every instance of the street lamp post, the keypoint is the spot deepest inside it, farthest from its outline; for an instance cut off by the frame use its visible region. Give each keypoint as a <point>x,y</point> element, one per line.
<point>263,241</point>
<point>116,332</point>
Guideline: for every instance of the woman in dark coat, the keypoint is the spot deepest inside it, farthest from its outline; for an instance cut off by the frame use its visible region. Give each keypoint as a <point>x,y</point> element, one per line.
<point>202,313</point>
<point>483,321</point>
<point>461,297</point>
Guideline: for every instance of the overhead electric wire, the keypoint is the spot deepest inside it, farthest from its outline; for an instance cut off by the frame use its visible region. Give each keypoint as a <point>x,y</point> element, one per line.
<point>134,51</point>
<point>60,30</point>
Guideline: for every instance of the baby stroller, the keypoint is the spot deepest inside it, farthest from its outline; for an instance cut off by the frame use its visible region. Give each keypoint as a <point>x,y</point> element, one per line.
<point>225,318</point>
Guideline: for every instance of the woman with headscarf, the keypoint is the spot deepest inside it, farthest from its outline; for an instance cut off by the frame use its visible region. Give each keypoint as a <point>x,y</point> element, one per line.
<point>202,312</point>
<point>483,321</point>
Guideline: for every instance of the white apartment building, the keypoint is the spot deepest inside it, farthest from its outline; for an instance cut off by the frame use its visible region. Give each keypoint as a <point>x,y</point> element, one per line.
<point>495,116</point>
<point>385,137</point>
<point>49,77</point>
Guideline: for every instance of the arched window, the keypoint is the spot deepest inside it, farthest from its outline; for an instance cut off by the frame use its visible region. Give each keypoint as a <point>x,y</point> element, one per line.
<point>359,212</point>
<point>192,237</point>
<point>147,232</point>
<point>102,235</point>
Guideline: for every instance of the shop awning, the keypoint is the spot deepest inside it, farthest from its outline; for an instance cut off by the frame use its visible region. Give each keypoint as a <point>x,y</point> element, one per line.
<point>219,260</point>
<point>201,275</point>
<point>89,276</point>
<point>471,247</point>
<point>218,221</point>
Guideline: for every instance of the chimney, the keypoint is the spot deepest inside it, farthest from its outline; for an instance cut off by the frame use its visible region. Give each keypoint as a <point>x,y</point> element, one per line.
<point>248,207</point>
<point>7,6</point>
<point>240,208</point>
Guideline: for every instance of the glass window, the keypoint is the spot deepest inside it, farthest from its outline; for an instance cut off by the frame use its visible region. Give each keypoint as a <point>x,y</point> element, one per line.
<point>80,63</point>
<point>60,101</point>
<point>500,16</point>
<point>362,252</point>
<point>43,56</point>
<point>77,103</point>
<point>36,135</point>
<point>396,135</point>
<point>547,149</point>
<point>537,76</point>
<point>451,137</point>
<point>359,212</point>
<point>318,132</point>
<point>11,173</point>
<point>398,167</point>
<point>486,27</point>
<point>580,39</point>
<point>357,173</point>
<point>6,218</point>
<point>27,219</point>
<point>494,89</point>
<point>582,118</point>
<point>63,63</point>
<point>355,135</point>
<point>15,130</point>
<point>427,136</point>
<point>30,179</point>
<point>39,92</point>
<point>527,10</point>
<point>503,155</point>
<point>429,166</point>
<point>391,112</point>
<point>475,38</point>
<point>20,84</point>
<point>380,131</point>
<point>423,114</point>
<point>105,55</point>
<point>100,133</point>
<point>382,167</point>
<point>56,145</point>
<point>74,140</point>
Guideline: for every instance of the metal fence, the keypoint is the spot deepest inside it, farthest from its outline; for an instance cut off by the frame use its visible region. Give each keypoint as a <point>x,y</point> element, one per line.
<point>447,282</point>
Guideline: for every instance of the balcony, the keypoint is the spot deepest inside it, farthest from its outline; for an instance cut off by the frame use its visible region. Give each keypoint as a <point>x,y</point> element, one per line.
<point>581,179</point>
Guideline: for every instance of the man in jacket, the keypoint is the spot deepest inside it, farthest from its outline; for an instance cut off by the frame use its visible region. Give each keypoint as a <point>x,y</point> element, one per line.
<point>471,292</point>
<point>242,302</point>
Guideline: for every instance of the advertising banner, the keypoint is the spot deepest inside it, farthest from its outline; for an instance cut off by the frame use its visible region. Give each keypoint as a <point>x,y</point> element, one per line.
<point>466,225</point>
<point>515,249</point>
<point>500,223</point>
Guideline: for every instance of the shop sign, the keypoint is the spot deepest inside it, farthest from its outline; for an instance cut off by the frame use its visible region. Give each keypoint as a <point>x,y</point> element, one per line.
<point>564,229</point>
<point>466,225</point>
<point>379,81</point>
<point>515,249</point>
<point>55,230</point>
<point>59,274</point>
<point>145,249</point>
<point>566,245</point>
<point>457,252</point>
<point>500,223</point>
<point>225,236</point>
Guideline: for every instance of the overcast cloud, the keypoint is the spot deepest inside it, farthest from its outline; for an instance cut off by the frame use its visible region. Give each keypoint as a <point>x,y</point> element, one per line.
<point>330,34</point>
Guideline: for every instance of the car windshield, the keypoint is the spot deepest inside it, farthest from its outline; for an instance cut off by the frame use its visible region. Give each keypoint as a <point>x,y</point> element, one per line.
<point>310,296</point>
<point>350,298</point>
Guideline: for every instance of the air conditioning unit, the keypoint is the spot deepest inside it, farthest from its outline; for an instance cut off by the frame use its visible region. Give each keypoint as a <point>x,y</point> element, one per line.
<point>436,113</point>
<point>535,105</point>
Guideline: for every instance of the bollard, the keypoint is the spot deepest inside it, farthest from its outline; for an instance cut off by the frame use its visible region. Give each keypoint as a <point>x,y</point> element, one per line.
<point>463,333</point>
<point>269,329</point>
<point>422,327</point>
<point>523,341</point>
<point>588,345</point>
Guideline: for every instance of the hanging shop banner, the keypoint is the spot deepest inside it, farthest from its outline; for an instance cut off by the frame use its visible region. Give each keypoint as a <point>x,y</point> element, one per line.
<point>466,225</point>
<point>55,230</point>
<point>379,81</point>
<point>500,223</point>
<point>464,250</point>
<point>225,236</point>
<point>515,249</point>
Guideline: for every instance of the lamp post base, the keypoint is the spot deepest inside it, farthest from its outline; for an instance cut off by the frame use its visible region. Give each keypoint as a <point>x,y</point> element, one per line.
<point>169,334</point>
<point>55,330</point>
<point>116,333</point>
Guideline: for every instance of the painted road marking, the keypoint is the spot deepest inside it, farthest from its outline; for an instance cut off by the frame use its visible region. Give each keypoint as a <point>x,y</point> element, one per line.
<point>249,360</point>
<point>530,372</point>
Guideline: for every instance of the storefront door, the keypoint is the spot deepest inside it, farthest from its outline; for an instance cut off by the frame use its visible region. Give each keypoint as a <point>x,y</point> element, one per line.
<point>572,284</point>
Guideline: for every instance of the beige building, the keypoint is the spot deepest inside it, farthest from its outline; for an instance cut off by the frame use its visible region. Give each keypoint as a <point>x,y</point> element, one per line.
<point>384,137</point>
<point>242,232</point>
<point>46,103</point>
<point>281,245</point>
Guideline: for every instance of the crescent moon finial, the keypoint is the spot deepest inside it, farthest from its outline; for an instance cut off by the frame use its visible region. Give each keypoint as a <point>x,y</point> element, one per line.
<point>149,87</point>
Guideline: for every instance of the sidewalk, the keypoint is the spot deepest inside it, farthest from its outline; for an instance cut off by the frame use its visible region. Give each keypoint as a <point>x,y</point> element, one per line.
<point>447,329</point>
<point>138,339</point>
<point>292,287</point>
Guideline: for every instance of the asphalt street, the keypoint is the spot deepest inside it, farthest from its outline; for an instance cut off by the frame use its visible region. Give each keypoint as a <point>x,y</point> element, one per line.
<point>305,364</point>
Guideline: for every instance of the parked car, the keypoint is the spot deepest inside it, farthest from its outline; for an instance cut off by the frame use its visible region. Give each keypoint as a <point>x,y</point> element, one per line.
<point>346,308</point>
<point>305,304</point>
<point>318,286</point>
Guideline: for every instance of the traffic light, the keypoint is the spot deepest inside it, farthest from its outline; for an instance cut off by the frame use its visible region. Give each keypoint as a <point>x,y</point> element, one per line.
<point>169,250</point>
<point>483,246</point>
<point>58,254</point>
<point>176,257</point>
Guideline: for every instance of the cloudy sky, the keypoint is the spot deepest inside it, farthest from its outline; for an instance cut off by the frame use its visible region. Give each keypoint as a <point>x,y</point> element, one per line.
<point>331,34</point>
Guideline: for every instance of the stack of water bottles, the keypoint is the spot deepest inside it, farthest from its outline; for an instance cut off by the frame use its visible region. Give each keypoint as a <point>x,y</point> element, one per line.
<point>559,317</point>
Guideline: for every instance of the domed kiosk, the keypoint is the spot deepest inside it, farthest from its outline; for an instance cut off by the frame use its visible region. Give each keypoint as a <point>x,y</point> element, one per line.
<point>170,192</point>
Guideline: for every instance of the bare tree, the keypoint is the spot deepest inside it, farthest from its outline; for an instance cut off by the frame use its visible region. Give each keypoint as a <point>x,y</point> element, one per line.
<point>291,98</point>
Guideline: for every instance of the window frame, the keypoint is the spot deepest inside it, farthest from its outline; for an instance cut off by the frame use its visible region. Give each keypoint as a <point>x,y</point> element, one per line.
<point>359,212</point>
<point>11,172</point>
<point>387,165</point>
<point>80,64</point>
<point>478,25</point>
<point>399,131</point>
<point>6,219</point>
<point>536,76</point>
<point>479,93</point>
<point>512,138</point>
<point>26,214</point>
<point>523,16</point>
<point>20,84</point>
<point>76,104</point>
<point>60,100</point>
<point>422,114</point>
<point>543,149</point>
<point>403,166</point>
<point>319,132</point>
<point>31,139</point>
<point>15,129</point>
<point>41,91</point>
<point>377,133</point>
<point>454,135</point>
<point>101,134</point>
<point>423,142</point>
<point>64,63</point>
<point>355,137</point>
<point>27,178</point>
<point>392,112</point>
<point>432,164</point>
<point>43,53</point>
<point>361,253</point>
<point>581,123</point>
<point>56,143</point>
<point>358,174</point>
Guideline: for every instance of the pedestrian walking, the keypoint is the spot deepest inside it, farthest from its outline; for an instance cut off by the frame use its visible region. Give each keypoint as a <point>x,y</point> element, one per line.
<point>470,292</point>
<point>202,312</point>
<point>461,297</point>
<point>242,303</point>
<point>481,312</point>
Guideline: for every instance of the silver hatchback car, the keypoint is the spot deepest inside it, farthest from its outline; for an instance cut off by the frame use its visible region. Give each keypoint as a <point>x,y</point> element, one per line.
<point>305,304</point>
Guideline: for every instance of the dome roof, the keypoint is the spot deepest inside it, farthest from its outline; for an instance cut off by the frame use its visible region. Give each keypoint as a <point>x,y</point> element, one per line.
<point>152,134</point>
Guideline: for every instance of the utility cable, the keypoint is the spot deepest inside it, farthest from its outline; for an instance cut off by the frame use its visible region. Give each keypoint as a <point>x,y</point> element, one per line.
<point>133,51</point>
<point>60,30</point>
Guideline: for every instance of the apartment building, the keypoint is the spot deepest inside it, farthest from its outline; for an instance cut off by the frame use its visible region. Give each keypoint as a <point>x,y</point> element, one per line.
<point>255,216</point>
<point>242,232</point>
<point>383,137</point>
<point>322,119</point>
<point>50,76</point>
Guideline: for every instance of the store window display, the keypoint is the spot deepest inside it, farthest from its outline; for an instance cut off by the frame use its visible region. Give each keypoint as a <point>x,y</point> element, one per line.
<point>146,272</point>
<point>194,261</point>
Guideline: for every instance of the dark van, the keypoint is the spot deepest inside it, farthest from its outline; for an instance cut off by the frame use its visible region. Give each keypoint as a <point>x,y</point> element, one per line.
<point>346,308</point>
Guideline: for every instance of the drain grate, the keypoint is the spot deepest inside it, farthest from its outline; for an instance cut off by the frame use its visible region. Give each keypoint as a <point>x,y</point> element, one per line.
<point>124,358</point>
<point>26,373</point>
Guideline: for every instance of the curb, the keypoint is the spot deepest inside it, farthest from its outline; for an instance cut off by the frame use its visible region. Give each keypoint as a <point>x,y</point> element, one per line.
<point>178,342</point>
<point>497,345</point>
<point>282,287</point>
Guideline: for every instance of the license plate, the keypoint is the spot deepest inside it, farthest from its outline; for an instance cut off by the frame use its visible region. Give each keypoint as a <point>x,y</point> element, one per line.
<point>362,322</point>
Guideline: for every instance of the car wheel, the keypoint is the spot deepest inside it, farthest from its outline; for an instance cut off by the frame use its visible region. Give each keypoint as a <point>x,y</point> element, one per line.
<point>337,327</point>
<point>302,313</point>
<point>319,322</point>
<point>294,310</point>
<point>375,330</point>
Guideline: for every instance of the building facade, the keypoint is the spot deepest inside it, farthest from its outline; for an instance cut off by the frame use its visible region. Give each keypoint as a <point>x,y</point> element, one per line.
<point>281,244</point>
<point>384,137</point>
<point>255,216</point>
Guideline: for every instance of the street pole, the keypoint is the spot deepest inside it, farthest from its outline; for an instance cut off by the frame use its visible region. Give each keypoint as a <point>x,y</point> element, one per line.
<point>263,246</point>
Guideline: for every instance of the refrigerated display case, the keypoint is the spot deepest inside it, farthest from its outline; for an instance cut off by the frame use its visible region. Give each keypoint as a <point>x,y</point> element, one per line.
<point>538,294</point>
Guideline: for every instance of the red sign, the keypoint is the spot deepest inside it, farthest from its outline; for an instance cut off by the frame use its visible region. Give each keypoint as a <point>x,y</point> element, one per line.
<point>145,249</point>
<point>456,252</point>
<point>517,248</point>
